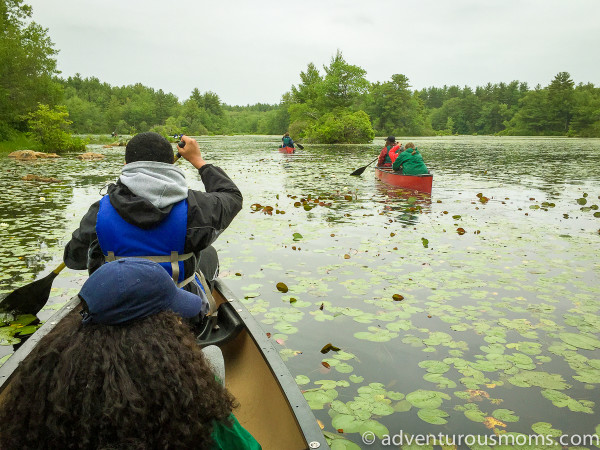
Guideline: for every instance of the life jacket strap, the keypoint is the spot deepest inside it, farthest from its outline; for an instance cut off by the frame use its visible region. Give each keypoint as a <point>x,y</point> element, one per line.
<point>173,258</point>
<point>211,300</point>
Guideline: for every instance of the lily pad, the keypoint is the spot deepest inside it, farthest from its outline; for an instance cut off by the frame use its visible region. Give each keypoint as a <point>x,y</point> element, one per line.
<point>584,341</point>
<point>424,399</point>
<point>545,429</point>
<point>505,415</point>
<point>433,416</point>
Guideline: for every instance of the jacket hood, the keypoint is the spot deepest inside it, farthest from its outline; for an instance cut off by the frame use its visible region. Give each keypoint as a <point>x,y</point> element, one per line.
<point>146,192</point>
<point>161,184</point>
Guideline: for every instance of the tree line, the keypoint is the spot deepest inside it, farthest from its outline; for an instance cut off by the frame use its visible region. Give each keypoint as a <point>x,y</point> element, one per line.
<point>334,105</point>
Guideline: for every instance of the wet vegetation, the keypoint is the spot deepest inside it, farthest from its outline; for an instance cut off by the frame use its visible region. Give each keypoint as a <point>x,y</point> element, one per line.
<point>470,311</point>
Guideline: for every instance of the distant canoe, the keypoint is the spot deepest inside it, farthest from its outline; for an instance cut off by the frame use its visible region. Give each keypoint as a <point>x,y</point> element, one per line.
<point>422,183</point>
<point>286,149</point>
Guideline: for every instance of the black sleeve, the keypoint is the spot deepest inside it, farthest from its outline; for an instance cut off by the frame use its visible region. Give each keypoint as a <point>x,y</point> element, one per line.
<point>76,250</point>
<point>210,212</point>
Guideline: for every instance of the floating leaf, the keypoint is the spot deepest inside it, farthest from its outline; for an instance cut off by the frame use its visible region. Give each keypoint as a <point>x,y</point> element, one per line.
<point>329,347</point>
<point>347,423</point>
<point>433,416</point>
<point>434,366</point>
<point>505,415</point>
<point>377,428</point>
<point>475,415</point>
<point>584,341</point>
<point>424,399</point>
<point>282,287</point>
<point>402,406</point>
<point>545,429</point>
<point>297,236</point>
<point>397,297</point>
<point>302,379</point>
<point>491,422</point>
<point>541,379</point>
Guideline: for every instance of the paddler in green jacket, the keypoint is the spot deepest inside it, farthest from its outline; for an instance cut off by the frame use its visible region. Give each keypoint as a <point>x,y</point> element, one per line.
<point>287,140</point>
<point>410,161</point>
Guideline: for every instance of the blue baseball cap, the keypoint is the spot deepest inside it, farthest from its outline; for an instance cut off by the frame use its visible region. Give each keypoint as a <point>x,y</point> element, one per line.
<point>128,289</point>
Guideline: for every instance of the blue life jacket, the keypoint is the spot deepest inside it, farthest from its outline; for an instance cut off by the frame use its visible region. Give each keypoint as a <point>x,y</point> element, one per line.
<point>163,244</point>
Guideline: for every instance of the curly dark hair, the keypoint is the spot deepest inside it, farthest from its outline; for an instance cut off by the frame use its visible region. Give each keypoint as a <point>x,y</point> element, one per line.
<point>145,385</point>
<point>149,146</point>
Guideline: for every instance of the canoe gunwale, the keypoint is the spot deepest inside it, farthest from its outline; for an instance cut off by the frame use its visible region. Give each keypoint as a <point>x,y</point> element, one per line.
<point>422,183</point>
<point>298,405</point>
<point>9,367</point>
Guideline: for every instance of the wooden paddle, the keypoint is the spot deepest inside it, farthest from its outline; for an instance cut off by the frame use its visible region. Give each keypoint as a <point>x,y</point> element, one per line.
<point>360,170</point>
<point>32,297</point>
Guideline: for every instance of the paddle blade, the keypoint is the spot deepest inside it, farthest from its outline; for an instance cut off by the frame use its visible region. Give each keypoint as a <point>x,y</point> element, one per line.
<point>300,146</point>
<point>359,171</point>
<point>29,299</point>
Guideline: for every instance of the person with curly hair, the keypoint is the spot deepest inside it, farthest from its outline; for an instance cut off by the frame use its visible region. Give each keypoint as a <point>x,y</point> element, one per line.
<point>128,376</point>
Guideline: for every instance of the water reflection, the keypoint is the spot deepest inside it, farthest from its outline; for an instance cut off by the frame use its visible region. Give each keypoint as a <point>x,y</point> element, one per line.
<point>408,205</point>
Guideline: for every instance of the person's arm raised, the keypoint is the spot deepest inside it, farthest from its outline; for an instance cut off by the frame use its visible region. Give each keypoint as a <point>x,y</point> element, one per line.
<point>191,152</point>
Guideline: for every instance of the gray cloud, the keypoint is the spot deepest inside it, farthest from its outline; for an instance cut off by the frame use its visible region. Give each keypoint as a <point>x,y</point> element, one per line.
<point>254,51</point>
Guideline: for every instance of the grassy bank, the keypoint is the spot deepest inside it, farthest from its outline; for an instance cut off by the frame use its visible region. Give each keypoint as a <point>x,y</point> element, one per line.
<point>18,142</point>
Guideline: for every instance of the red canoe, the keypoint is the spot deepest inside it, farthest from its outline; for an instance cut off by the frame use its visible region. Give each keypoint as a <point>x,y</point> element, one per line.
<point>421,183</point>
<point>286,149</point>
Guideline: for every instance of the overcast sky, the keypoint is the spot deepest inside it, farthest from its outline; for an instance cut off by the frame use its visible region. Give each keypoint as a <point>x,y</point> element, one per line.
<point>254,51</point>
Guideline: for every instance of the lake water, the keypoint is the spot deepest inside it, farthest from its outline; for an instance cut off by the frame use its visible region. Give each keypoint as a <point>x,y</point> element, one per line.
<point>498,329</point>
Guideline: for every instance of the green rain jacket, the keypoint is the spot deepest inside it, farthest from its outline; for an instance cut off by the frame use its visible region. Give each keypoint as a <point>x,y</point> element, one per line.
<point>411,161</point>
<point>234,437</point>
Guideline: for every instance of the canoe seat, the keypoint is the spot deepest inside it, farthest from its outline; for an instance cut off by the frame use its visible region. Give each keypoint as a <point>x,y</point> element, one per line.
<point>221,327</point>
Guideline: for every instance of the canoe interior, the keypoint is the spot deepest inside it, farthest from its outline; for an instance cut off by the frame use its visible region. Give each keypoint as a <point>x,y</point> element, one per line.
<point>272,408</point>
<point>422,183</point>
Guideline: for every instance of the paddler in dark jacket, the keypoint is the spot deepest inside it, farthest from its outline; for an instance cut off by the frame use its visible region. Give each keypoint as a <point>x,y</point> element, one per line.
<point>389,152</point>
<point>287,141</point>
<point>150,212</point>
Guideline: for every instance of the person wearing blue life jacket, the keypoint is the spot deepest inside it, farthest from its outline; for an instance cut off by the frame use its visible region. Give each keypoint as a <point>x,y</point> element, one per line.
<point>287,141</point>
<point>151,213</point>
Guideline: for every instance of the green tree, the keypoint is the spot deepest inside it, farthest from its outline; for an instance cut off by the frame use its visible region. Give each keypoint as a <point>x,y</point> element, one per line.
<point>27,66</point>
<point>395,109</point>
<point>309,90</point>
<point>343,83</point>
<point>561,101</point>
<point>342,127</point>
<point>586,111</point>
<point>533,117</point>
<point>50,128</point>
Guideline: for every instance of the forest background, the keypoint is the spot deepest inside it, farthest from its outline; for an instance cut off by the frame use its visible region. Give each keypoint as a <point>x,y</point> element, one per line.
<point>334,105</point>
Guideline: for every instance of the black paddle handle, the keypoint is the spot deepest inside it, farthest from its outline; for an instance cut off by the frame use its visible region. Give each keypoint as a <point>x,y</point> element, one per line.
<point>180,144</point>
